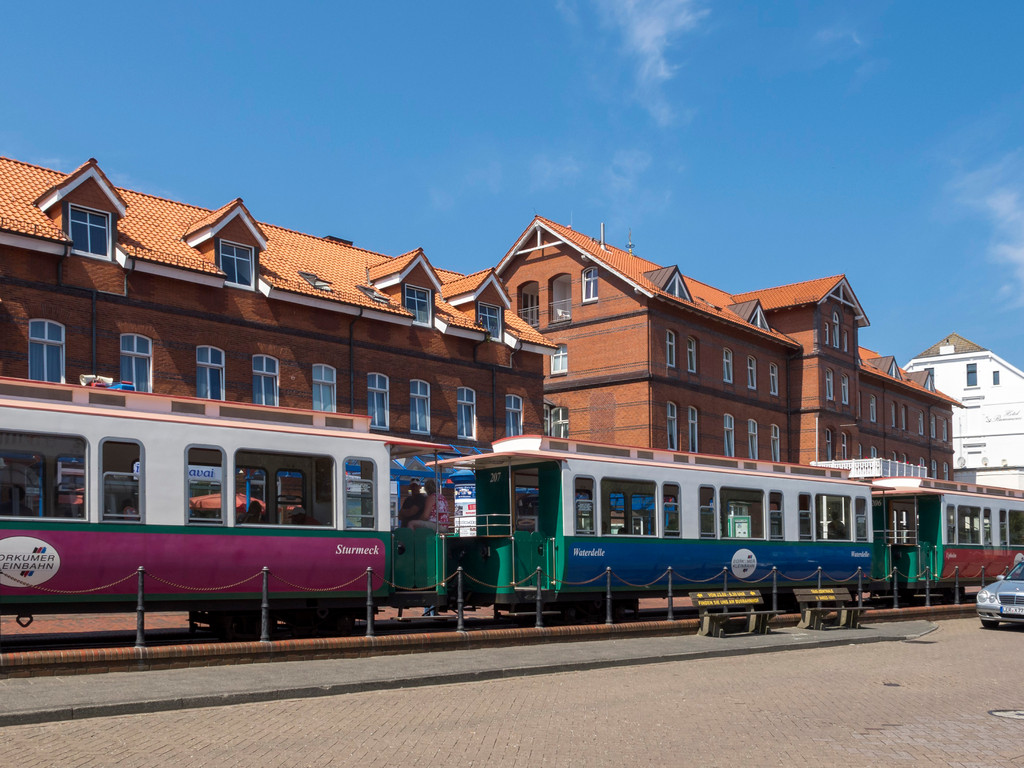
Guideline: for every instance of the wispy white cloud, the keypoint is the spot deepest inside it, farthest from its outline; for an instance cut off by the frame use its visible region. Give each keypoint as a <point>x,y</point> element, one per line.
<point>627,166</point>
<point>996,192</point>
<point>484,176</point>
<point>551,172</point>
<point>650,29</point>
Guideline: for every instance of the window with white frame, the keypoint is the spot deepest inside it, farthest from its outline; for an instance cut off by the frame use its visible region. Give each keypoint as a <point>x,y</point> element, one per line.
<point>672,426</point>
<point>844,389</point>
<point>773,379</point>
<point>892,415</point>
<point>751,373</point>
<point>670,349</point>
<point>694,429</point>
<point>264,380</point>
<point>826,333</point>
<point>828,445</point>
<point>920,423</point>
<point>377,397</point>
<point>843,447</point>
<point>945,433</point>
<point>90,231</point>
<point>489,316</point>
<point>136,360</point>
<point>691,354</point>
<point>210,373</point>
<point>513,415</point>
<point>590,284</point>
<point>932,425</point>
<point>846,342</point>
<point>835,330</point>
<point>873,409</point>
<point>829,387</point>
<point>237,264</point>
<point>558,421</point>
<point>776,443</point>
<point>324,388</point>
<point>945,471</point>
<point>903,418</point>
<point>874,452</point>
<point>417,301</point>
<point>935,469</point>
<point>751,438</point>
<point>727,365</point>
<point>467,413</point>
<point>45,351</point>
<point>729,437</point>
<point>560,360</point>
<point>419,407</point>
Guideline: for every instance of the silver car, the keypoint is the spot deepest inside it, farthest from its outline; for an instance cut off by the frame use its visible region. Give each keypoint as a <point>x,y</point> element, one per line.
<point>1003,599</point>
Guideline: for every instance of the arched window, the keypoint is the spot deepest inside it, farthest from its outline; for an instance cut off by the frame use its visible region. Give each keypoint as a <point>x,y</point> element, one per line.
<point>419,407</point>
<point>513,415</point>
<point>776,443</point>
<point>751,373</point>
<point>324,379</point>
<point>843,446</point>
<point>210,373</point>
<point>829,386</point>
<point>828,445</point>
<point>672,426</point>
<point>752,438</point>
<point>45,351</point>
<point>670,349</point>
<point>694,429</point>
<point>835,330</point>
<point>691,355</point>
<point>467,413</point>
<point>729,437</point>
<point>529,303</point>
<point>560,292</point>
<point>264,380</point>
<point>377,396</point>
<point>590,284</point>
<point>136,359</point>
<point>727,365</point>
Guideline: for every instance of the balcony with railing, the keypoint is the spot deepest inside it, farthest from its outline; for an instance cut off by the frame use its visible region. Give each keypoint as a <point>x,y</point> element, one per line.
<point>530,315</point>
<point>561,311</point>
<point>877,467</point>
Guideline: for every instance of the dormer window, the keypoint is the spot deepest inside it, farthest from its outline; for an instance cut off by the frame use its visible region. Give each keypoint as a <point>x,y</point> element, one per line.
<point>417,301</point>
<point>236,262</point>
<point>675,287</point>
<point>90,231</point>
<point>489,316</point>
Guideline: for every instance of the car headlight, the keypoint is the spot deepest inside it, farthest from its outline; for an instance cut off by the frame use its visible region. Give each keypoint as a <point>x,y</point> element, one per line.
<point>984,596</point>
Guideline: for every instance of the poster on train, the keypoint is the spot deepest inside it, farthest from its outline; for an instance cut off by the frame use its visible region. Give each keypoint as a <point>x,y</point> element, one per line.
<point>465,510</point>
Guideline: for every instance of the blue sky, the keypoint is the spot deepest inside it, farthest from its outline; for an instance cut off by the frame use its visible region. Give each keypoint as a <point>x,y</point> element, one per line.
<point>753,144</point>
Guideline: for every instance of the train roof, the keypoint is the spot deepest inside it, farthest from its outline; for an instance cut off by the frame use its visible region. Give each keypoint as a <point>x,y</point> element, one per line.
<point>921,485</point>
<point>528,449</point>
<point>100,401</point>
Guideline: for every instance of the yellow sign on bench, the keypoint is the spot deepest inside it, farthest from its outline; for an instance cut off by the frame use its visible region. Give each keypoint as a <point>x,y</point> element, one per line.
<point>725,599</point>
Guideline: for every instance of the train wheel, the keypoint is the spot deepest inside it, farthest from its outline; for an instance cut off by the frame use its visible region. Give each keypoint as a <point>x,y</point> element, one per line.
<point>238,627</point>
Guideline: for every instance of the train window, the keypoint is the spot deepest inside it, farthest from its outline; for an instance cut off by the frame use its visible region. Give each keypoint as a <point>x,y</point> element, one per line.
<point>1004,529</point>
<point>986,527</point>
<point>670,505</point>
<point>707,512</point>
<point>121,470</point>
<point>775,517</point>
<point>204,477</point>
<point>833,519</point>
<point>950,524</point>
<point>42,475</point>
<point>283,489</point>
<point>1015,531</point>
<point>584,499</point>
<point>630,507</point>
<point>861,518</point>
<point>360,476</point>
<point>806,529</point>
<point>742,513</point>
<point>968,525</point>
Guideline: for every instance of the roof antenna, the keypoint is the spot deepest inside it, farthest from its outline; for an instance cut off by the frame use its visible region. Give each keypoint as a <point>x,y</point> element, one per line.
<point>570,218</point>
<point>629,242</point>
<point>602,237</point>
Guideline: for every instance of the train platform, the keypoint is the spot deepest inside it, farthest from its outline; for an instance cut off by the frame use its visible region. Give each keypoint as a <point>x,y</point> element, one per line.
<point>25,700</point>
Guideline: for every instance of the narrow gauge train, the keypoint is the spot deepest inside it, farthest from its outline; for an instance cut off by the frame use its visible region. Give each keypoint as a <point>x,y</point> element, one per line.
<point>575,509</point>
<point>954,534</point>
<point>203,495</point>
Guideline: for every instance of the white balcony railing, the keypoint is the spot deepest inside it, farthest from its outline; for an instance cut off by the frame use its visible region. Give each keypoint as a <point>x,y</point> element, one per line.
<point>878,467</point>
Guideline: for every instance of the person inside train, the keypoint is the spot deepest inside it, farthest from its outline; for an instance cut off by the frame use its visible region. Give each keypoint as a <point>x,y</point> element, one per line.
<point>413,507</point>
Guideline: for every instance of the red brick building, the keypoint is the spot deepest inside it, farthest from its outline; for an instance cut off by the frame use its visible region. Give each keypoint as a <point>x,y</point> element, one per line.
<point>648,356</point>
<point>189,301</point>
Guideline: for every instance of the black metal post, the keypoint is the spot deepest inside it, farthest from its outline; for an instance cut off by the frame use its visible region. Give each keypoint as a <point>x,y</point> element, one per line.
<point>671,613</point>
<point>369,602</point>
<point>983,577</point>
<point>775,588</point>
<point>608,597</point>
<point>140,611</point>
<point>461,624</point>
<point>725,579</point>
<point>927,587</point>
<point>860,587</point>
<point>540,602</point>
<point>895,588</point>
<point>265,608</point>
<point>819,577</point>
<point>956,585</point>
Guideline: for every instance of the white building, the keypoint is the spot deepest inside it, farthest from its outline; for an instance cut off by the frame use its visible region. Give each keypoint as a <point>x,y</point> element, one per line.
<point>988,431</point>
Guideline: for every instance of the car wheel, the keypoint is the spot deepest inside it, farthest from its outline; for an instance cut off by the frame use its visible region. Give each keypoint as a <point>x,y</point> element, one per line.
<point>990,623</point>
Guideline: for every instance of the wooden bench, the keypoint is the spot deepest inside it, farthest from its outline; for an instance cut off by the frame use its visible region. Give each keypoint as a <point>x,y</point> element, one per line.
<point>824,607</point>
<point>717,609</point>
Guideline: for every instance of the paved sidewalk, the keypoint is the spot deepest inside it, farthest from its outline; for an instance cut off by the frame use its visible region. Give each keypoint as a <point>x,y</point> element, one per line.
<point>47,699</point>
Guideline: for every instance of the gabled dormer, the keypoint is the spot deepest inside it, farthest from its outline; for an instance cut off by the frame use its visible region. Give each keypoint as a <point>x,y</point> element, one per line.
<point>751,312</point>
<point>232,239</point>
<point>669,280</point>
<point>410,278</point>
<point>482,296</point>
<point>87,207</point>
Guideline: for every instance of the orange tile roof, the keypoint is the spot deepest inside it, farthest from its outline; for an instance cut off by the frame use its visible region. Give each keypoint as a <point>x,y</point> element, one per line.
<point>794,294</point>
<point>69,178</point>
<point>705,298</point>
<point>867,354</point>
<point>456,286</point>
<point>154,230</point>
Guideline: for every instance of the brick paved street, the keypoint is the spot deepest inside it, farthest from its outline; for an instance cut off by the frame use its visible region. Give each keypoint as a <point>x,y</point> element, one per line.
<point>923,702</point>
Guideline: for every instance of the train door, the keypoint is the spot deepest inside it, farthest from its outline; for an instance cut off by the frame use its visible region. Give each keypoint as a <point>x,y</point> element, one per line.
<point>536,517</point>
<point>901,525</point>
<point>929,534</point>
